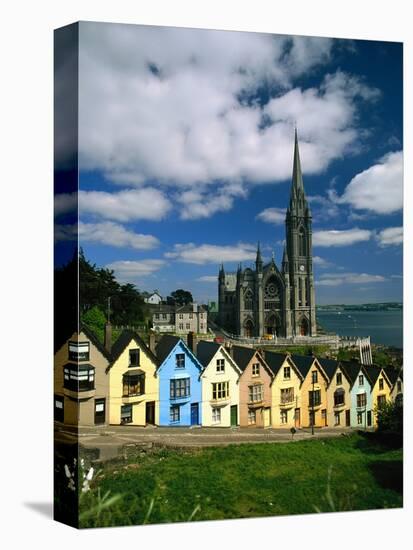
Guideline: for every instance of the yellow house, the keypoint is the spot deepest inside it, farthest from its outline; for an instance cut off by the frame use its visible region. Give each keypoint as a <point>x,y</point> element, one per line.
<point>285,391</point>
<point>380,388</point>
<point>396,378</point>
<point>313,409</point>
<point>338,393</point>
<point>81,385</point>
<point>133,384</point>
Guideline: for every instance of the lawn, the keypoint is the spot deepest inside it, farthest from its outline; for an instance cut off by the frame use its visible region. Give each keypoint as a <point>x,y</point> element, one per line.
<point>346,473</point>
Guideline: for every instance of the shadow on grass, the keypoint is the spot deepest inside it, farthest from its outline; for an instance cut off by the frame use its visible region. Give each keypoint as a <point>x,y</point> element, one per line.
<point>388,474</point>
<point>379,442</point>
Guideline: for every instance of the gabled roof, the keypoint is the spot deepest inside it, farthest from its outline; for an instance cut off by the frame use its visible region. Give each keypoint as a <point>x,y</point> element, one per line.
<point>165,345</point>
<point>373,372</point>
<point>352,369</point>
<point>242,356</point>
<point>303,363</point>
<point>123,341</point>
<point>329,365</point>
<point>393,374</point>
<point>95,340</point>
<point>275,360</point>
<point>205,351</point>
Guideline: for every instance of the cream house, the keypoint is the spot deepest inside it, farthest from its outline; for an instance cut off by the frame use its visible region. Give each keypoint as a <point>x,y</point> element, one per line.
<point>220,385</point>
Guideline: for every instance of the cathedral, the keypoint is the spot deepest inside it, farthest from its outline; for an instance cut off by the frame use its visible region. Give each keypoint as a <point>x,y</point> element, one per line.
<point>264,300</point>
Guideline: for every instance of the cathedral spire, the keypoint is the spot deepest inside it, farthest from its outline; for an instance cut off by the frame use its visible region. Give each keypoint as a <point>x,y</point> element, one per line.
<point>258,261</point>
<point>285,259</point>
<point>297,184</point>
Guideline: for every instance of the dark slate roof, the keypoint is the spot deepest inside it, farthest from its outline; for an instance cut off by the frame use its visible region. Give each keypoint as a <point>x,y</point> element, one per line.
<point>125,337</point>
<point>242,356</point>
<point>329,366</point>
<point>188,308</point>
<point>165,346</point>
<point>351,369</point>
<point>275,360</point>
<point>372,372</point>
<point>303,363</point>
<point>392,374</point>
<point>205,351</point>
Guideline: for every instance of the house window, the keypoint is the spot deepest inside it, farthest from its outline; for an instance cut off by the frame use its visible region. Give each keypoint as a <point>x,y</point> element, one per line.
<point>181,316</point>
<point>399,386</point>
<point>180,360</point>
<point>287,395</point>
<point>256,369</point>
<point>381,400</point>
<point>216,415</point>
<point>361,400</point>
<point>133,384</point>
<point>163,315</point>
<point>339,397</point>
<point>314,398</point>
<point>134,357</point>
<point>314,376</point>
<point>256,393</point>
<point>381,384</point>
<point>79,351</point>
<point>188,326</point>
<point>220,390</point>
<point>179,387</point>
<point>181,326</point>
<point>100,406</point>
<point>201,315</point>
<point>361,380</point>
<point>78,378</point>
<point>339,379</point>
<point>359,418</point>
<point>287,373</point>
<point>58,408</point>
<point>174,413</point>
<point>336,419</point>
<point>284,417</point>
<point>201,326</point>
<point>191,315</point>
<point>126,414</point>
<point>220,365</point>
<point>252,416</point>
<point>156,315</point>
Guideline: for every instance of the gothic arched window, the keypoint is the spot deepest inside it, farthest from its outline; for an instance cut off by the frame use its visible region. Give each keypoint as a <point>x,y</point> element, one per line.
<point>302,245</point>
<point>248,299</point>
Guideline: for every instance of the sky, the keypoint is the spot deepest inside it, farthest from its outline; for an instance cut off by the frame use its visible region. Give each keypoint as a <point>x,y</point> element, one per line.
<point>186,144</point>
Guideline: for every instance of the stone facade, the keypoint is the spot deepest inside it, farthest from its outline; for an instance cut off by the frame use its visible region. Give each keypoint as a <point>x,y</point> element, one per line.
<point>264,299</point>
<point>180,319</point>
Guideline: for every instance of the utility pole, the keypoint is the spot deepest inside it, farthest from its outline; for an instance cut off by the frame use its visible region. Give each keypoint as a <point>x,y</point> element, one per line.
<point>312,406</point>
<point>109,297</point>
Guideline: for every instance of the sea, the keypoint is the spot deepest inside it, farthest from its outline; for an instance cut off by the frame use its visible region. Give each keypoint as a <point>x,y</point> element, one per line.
<point>383,327</point>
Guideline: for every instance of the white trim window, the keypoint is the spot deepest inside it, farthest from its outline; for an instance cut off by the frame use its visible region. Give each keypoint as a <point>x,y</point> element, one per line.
<point>255,369</point>
<point>220,390</point>
<point>220,366</point>
<point>216,415</point>
<point>252,416</point>
<point>284,417</point>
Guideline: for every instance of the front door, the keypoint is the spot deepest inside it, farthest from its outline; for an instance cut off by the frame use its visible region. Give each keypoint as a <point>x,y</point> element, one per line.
<point>297,419</point>
<point>100,411</point>
<point>234,415</point>
<point>194,414</point>
<point>150,412</point>
<point>368,418</point>
<point>348,417</point>
<point>267,417</point>
<point>324,417</point>
<point>59,408</point>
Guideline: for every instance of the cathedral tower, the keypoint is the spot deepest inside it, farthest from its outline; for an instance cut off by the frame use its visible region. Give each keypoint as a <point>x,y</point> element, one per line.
<point>299,259</point>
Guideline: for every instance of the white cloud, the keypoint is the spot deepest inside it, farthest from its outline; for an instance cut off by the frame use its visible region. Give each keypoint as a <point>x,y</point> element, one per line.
<point>379,188</point>
<point>177,106</point>
<point>200,202</point>
<point>213,254</point>
<point>272,215</point>
<point>127,270</point>
<point>341,238</point>
<point>321,262</point>
<point>127,205</point>
<point>208,279</point>
<point>114,234</point>
<point>338,279</point>
<point>390,236</point>
<point>65,203</point>
<point>65,232</point>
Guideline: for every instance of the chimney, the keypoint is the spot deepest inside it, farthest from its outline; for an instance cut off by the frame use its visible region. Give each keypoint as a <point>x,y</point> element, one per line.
<point>107,337</point>
<point>192,342</point>
<point>152,341</point>
<point>229,349</point>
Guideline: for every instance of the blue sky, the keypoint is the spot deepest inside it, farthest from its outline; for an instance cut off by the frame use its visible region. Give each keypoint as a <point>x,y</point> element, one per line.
<point>186,147</point>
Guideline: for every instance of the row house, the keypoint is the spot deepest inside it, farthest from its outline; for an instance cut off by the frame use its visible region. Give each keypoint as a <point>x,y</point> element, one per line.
<point>81,382</point>
<point>180,320</point>
<point>313,410</point>
<point>396,379</point>
<point>220,384</point>
<point>361,403</point>
<point>380,388</point>
<point>338,393</point>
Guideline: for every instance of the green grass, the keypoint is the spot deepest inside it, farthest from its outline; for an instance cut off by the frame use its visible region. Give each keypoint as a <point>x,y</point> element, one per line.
<point>320,350</point>
<point>347,473</point>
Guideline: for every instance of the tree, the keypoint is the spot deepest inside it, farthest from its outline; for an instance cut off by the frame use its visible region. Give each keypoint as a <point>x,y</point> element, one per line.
<point>181,297</point>
<point>95,319</point>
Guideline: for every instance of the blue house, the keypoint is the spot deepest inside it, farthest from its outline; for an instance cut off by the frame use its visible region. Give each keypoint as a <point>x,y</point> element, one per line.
<point>361,415</point>
<point>180,393</point>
